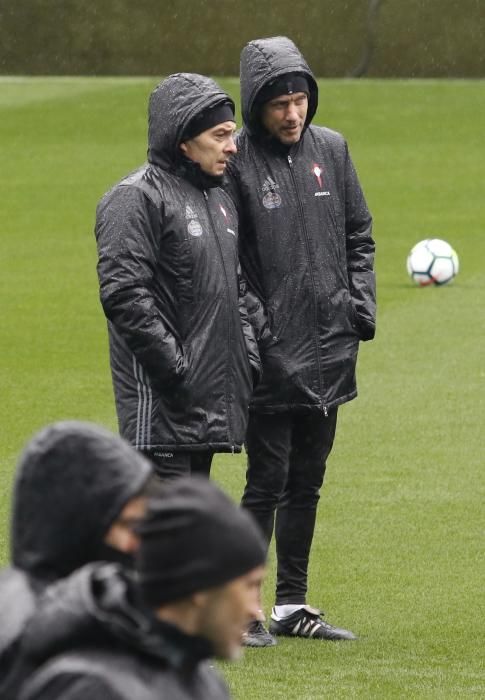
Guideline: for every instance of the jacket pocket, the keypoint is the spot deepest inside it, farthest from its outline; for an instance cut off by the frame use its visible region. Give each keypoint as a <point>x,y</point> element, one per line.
<point>282,305</point>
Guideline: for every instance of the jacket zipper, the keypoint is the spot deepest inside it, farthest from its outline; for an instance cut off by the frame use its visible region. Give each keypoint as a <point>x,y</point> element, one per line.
<point>307,246</point>
<point>229,325</point>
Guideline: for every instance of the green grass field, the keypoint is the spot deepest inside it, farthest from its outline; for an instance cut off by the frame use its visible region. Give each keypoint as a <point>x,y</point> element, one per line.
<point>398,553</point>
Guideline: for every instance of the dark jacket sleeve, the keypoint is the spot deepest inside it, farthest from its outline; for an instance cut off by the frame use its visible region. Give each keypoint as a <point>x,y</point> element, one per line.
<point>360,252</point>
<point>255,311</point>
<point>70,687</point>
<point>249,335</point>
<point>231,186</point>
<point>256,314</point>
<point>128,235</point>
<point>17,604</point>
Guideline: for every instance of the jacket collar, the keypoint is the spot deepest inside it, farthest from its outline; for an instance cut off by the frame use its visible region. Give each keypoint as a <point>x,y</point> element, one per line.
<point>180,650</point>
<point>188,170</point>
<point>275,146</point>
<point>97,606</point>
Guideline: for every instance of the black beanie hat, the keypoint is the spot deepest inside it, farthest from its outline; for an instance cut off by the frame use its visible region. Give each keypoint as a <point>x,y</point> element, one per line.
<point>218,114</point>
<point>194,538</point>
<point>286,84</point>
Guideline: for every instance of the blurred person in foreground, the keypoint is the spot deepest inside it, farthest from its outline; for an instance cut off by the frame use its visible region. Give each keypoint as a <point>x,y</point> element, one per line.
<point>183,355</point>
<point>79,492</point>
<point>102,636</point>
<point>307,253</point>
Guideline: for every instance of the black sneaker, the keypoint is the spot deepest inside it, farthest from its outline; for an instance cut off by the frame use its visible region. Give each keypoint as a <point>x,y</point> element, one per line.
<point>307,622</point>
<point>258,636</point>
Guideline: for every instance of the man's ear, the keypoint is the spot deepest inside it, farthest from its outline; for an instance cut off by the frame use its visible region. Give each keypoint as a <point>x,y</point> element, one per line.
<point>183,148</point>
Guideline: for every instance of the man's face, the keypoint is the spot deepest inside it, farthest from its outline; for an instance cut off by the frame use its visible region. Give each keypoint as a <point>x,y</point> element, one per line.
<point>284,117</point>
<point>227,612</point>
<point>122,533</point>
<point>212,148</point>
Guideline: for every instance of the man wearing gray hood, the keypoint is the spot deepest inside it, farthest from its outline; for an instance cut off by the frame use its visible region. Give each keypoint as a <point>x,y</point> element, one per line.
<point>307,253</point>
<point>183,354</point>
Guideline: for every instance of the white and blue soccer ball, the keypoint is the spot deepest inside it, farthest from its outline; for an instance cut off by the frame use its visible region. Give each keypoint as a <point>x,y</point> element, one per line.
<point>432,261</point>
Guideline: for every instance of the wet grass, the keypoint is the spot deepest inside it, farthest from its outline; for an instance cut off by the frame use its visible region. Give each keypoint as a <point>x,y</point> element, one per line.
<point>398,553</point>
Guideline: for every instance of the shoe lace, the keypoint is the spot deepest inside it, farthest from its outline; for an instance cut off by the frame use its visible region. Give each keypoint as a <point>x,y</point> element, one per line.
<point>316,616</point>
<point>257,627</point>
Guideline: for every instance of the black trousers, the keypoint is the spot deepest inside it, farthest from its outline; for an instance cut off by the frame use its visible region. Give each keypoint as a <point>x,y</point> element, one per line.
<point>287,455</point>
<point>170,465</point>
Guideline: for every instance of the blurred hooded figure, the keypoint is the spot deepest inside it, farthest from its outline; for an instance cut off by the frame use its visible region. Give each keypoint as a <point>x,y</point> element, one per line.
<point>79,492</point>
<point>183,355</point>
<point>307,252</point>
<point>101,636</point>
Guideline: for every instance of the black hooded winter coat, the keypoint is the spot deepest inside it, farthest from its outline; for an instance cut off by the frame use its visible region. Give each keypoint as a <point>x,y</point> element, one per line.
<point>182,351</point>
<point>72,481</point>
<point>89,640</point>
<point>305,246</point>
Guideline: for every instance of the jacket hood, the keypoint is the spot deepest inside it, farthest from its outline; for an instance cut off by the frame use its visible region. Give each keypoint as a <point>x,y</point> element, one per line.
<point>263,60</point>
<point>95,605</point>
<point>172,105</point>
<point>72,481</point>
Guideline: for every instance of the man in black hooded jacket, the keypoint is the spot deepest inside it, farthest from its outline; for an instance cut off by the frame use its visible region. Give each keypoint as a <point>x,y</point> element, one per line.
<point>79,492</point>
<point>183,354</point>
<point>307,253</point>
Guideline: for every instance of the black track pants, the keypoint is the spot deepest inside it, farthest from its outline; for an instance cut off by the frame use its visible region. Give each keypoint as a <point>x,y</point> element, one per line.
<point>170,465</point>
<point>287,455</point>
